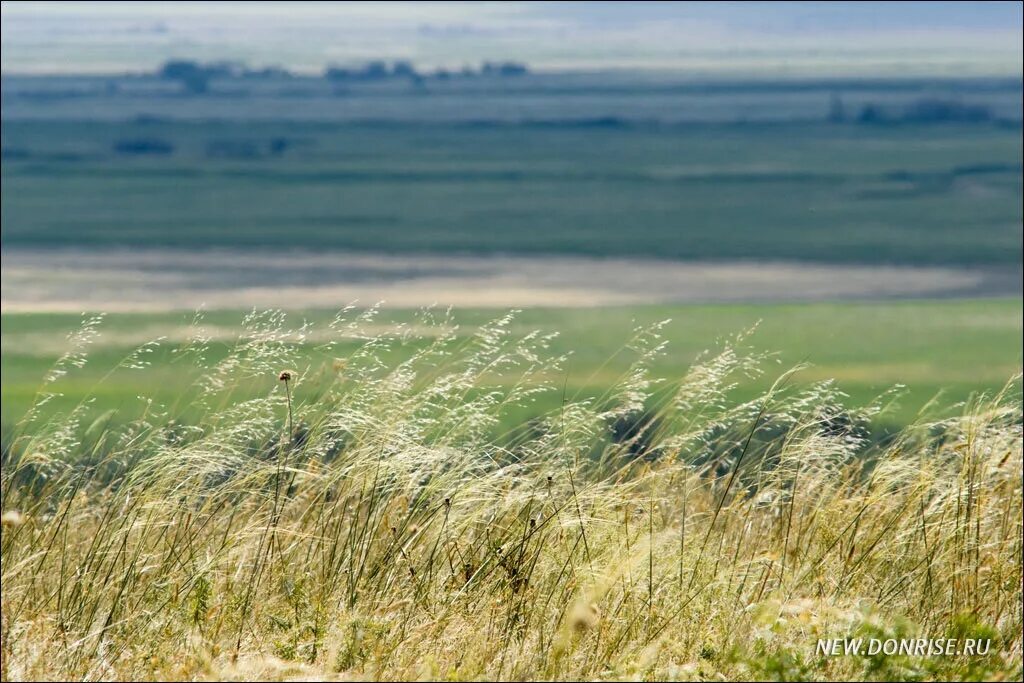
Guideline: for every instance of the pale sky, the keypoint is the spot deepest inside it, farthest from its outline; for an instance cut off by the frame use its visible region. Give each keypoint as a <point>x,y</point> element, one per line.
<point>783,37</point>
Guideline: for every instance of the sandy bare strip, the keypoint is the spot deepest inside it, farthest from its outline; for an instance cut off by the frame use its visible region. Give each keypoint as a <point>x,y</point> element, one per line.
<point>163,279</point>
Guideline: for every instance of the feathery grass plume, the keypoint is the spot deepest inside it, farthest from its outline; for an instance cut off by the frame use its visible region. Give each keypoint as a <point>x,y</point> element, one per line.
<point>384,523</point>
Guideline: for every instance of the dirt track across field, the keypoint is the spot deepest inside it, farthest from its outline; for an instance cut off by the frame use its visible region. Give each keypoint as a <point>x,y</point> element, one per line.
<point>160,280</point>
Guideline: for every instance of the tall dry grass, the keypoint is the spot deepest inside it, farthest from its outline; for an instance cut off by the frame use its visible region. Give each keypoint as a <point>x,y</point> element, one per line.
<point>368,519</point>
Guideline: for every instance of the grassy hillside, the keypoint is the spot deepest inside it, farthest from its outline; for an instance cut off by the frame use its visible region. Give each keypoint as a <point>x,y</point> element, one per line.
<point>364,524</point>
<point>904,192</point>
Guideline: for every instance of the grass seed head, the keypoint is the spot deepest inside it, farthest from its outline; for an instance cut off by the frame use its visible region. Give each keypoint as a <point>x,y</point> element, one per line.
<point>13,518</point>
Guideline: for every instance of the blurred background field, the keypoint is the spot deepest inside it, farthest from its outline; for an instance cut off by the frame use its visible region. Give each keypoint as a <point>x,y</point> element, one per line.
<point>861,198</point>
<point>638,167</point>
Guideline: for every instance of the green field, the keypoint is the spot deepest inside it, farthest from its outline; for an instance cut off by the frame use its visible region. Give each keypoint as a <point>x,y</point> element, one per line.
<point>952,347</point>
<point>909,193</point>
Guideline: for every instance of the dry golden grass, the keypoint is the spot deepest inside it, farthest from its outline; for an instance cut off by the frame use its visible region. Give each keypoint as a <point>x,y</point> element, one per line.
<point>361,520</point>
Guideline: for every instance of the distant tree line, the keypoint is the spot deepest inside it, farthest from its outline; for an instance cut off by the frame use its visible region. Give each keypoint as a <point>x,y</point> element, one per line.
<point>195,76</point>
<point>924,110</point>
<point>379,70</point>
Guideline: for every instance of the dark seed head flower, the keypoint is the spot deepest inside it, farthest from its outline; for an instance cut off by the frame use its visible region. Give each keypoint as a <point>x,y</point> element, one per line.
<point>585,617</point>
<point>285,375</point>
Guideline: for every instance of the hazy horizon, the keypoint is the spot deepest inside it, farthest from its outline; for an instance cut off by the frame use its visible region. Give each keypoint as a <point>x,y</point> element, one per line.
<point>773,39</point>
